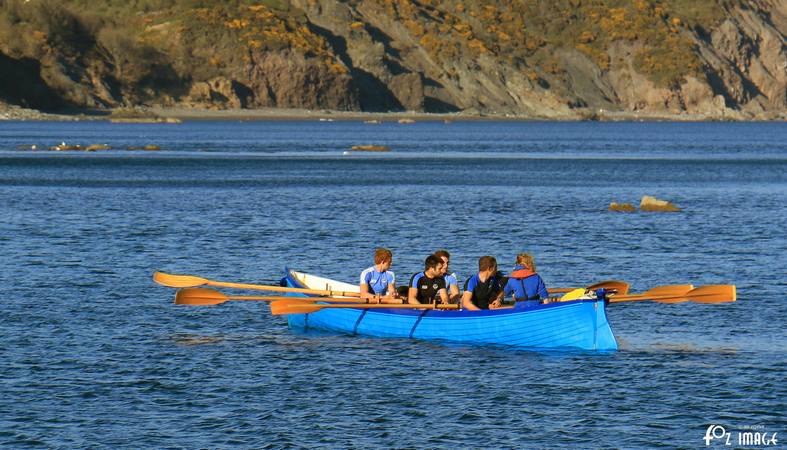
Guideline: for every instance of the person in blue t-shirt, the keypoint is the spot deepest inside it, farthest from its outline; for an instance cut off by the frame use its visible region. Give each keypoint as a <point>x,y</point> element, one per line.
<point>377,282</point>
<point>526,286</point>
<point>451,284</point>
<point>483,290</point>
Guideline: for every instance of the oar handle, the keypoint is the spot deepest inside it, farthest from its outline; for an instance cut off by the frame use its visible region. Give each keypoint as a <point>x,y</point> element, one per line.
<point>260,287</point>
<point>620,286</point>
<point>637,297</point>
<point>559,290</point>
<point>391,306</point>
<point>304,299</point>
<point>294,307</point>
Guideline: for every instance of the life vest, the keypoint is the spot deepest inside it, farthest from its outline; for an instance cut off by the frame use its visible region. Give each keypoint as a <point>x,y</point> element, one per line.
<point>483,292</point>
<point>521,274</point>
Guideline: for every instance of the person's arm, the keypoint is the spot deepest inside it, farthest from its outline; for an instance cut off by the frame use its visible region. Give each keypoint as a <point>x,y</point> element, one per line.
<point>498,301</point>
<point>443,294</point>
<point>392,286</point>
<point>508,290</point>
<point>365,287</point>
<point>412,296</point>
<point>394,293</point>
<point>453,293</point>
<point>542,288</point>
<point>467,302</point>
<point>412,291</point>
<point>393,296</point>
<point>365,291</point>
<point>534,287</point>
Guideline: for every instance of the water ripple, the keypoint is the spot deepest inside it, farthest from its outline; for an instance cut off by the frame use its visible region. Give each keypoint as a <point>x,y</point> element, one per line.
<point>94,354</point>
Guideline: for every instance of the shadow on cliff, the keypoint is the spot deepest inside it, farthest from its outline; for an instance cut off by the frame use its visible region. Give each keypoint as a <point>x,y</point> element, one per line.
<point>374,94</point>
<point>21,84</point>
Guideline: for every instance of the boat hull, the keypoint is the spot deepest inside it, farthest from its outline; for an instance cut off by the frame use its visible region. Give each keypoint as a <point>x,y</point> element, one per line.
<point>580,324</point>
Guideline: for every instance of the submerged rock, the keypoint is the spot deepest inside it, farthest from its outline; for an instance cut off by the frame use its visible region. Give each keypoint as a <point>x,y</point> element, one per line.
<point>652,204</point>
<point>144,120</point>
<point>65,147</point>
<point>370,148</point>
<point>622,207</point>
<point>95,147</point>
<point>145,147</point>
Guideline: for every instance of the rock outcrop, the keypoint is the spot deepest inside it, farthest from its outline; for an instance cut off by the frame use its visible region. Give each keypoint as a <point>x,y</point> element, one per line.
<point>652,204</point>
<point>621,207</point>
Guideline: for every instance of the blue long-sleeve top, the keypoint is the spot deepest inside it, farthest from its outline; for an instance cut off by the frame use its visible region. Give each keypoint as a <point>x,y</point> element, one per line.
<point>531,287</point>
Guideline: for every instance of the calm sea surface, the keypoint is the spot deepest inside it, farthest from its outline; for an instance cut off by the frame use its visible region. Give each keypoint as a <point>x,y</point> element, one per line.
<point>94,354</point>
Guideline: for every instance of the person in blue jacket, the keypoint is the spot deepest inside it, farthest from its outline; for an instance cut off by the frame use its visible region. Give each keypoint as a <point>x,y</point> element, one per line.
<point>526,286</point>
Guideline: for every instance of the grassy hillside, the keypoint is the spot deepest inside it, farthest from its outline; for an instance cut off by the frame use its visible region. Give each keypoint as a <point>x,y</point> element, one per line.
<point>89,53</point>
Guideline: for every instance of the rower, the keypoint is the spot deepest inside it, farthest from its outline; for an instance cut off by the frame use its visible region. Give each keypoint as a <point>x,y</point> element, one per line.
<point>377,282</point>
<point>451,284</point>
<point>525,284</point>
<point>483,290</point>
<point>428,286</point>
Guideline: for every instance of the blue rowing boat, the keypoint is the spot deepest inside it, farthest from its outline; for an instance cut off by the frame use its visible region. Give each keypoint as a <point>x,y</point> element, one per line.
<point>580,324</point>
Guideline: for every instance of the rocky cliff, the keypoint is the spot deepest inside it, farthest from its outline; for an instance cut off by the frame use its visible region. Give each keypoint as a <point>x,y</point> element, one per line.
<point>567,58</point>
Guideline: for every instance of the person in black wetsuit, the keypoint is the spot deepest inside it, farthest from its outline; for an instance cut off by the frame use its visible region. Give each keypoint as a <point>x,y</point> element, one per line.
<point>483,290</point>
<point>428,285</point>
<point>451,284</point>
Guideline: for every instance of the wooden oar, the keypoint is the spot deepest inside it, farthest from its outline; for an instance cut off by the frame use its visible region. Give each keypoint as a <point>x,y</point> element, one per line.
<point>621,286</point>
<point>300,307</point>
<point>670,289</point>
<point>671,293</point>
<point>186,281</point>
<point>658,291</point>
<point>208,297</point>
<point>712,293</point>
<point>618,287</point>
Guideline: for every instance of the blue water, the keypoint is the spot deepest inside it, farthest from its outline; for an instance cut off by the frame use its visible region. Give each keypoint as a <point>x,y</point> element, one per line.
<point>94,354</point>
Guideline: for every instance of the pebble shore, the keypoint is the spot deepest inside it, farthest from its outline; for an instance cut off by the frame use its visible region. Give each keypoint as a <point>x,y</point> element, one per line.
<point>176,115</point>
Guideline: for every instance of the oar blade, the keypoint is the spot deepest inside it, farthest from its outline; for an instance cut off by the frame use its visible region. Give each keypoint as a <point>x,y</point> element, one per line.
<point>177,281</point>
<point>672,300</point>
<point>713,293</point>
<point>670,289</point>
<point>282,307</point>
<point>199,297</point>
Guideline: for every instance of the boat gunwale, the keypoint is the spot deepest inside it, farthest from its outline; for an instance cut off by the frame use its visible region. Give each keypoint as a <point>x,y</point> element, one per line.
<point>438,313</point>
